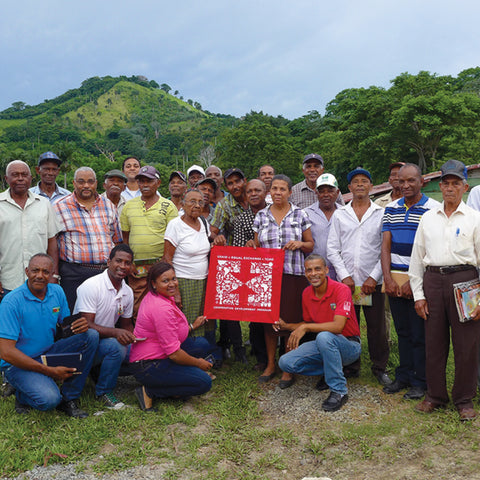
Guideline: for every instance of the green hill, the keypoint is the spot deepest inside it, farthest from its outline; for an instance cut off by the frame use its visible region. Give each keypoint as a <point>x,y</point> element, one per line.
<point>106,119</point>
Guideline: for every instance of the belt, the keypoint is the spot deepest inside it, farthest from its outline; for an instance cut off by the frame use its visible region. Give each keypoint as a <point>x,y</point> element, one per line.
<point>354,338</point>
<point>93,266</point>
<point>450,269</point>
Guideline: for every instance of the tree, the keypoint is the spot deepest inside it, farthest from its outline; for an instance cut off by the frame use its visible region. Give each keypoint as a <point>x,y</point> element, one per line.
<point>166,88</point>
<point>207,156</point>
<point>17,106</point>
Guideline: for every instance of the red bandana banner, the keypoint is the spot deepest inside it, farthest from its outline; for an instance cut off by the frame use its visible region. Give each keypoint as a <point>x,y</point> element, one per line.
<point>244,284</point>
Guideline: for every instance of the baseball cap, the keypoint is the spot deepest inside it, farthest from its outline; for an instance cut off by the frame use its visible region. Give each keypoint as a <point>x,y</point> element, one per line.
<point>454,167</point>
<point>211,181</point>
<point>49,157</point>
<point>327,179</point>
<point>233,171</point>
<point>116,173</point>
<point>313,156</point>
<point>195,168</point>
<point>178,174</point>
<point>149,172</point>
<point>358,171</point>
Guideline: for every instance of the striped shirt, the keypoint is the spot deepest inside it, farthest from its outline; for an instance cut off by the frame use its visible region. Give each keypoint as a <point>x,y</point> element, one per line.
<point>57,194</point>
<point>87,236</point>
<point>272,235</point>
<point>402,222</point>
<point>147,227</point>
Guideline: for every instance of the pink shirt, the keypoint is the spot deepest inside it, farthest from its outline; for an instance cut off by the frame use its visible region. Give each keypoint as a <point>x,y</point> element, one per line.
<point>163,324</point>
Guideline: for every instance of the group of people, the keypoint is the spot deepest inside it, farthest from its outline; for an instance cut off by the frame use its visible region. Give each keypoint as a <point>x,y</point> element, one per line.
<point>132,267</point>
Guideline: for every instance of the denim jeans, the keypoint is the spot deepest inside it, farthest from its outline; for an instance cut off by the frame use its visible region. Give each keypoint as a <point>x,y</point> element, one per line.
<point>165,378</point>
<point>41,392</point>
<point>325,356</point>
<point>110,355</point>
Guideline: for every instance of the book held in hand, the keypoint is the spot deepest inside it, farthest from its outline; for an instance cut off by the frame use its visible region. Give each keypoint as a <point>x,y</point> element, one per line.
<point>467,297</point>
<point>360,298</point>
<point>72,360</point>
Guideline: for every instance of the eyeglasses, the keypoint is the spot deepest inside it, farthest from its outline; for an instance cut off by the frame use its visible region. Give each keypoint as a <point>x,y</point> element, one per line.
<point>90,181</point>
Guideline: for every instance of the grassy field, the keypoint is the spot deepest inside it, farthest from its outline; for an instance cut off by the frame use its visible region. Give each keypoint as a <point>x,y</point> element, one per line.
<point>242,431</point>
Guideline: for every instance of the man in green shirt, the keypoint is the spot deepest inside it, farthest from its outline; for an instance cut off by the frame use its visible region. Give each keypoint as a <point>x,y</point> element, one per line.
<point>143,221</point>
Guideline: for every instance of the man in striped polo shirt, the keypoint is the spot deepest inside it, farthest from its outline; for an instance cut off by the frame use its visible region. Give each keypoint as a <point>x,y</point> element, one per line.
<point>400,223</point>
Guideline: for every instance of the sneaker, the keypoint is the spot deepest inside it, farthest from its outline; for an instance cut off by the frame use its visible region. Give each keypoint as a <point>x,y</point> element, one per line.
<point>71,409</point>
<point>334,402</point>
<point>110,401</point>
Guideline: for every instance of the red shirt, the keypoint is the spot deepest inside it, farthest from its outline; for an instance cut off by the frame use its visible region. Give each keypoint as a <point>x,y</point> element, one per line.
<point>336,301</point>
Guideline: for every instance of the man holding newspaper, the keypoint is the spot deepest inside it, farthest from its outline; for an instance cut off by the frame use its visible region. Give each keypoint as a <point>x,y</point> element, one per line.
<point>446,251</point>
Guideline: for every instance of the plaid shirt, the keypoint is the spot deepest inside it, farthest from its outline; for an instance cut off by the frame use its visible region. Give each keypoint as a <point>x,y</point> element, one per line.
<point>86,236</point>
<point>272,235</point>
<point>225,212</point>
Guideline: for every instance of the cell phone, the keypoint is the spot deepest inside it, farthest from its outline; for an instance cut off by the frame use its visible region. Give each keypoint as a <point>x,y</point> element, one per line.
<point>140,339</point>
<point>210,359</point>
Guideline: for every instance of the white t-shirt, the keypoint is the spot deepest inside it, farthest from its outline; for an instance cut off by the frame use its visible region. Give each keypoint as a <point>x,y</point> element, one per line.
<point>98,295</point>
<point>191,249</point>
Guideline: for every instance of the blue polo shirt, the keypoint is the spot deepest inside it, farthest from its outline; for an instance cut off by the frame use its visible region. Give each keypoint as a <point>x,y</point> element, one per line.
<point>402,222</point>
<point>31,322</point>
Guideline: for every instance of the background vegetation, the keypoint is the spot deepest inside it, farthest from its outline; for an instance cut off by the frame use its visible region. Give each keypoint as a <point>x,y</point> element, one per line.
<point>423,118</point>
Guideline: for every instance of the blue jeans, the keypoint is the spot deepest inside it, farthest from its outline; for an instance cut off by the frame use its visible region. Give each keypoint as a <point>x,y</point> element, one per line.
<point>41,392</point>
<point>410,330</point>
<point>326,356</point>
<point>110,355</point>
<point>165,378</point>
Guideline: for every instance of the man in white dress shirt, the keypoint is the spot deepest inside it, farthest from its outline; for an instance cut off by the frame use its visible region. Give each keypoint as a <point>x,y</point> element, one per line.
<point>353,248</point>
<point>446,251</point>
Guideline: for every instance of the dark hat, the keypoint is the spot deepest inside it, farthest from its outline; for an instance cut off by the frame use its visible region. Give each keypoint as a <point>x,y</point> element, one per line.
<point>454,167</point>
<point>358,171</point>
<point>233,171</point>
<point>211,181</point>
<point>149,172</point>
<point>49,157</point>
<point>178,174</point>
<point>313,156</point>
<point>116,173</point>
<point>396,165</point>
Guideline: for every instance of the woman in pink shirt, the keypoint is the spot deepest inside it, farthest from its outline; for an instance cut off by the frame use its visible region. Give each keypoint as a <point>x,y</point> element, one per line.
<point>169,362</point>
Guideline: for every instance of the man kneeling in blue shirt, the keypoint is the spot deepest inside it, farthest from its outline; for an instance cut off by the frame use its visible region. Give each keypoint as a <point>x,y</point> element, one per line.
<point>28,319</point>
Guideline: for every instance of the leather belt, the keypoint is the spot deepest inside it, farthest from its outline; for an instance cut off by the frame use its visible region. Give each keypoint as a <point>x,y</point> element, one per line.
<point>450,269</point>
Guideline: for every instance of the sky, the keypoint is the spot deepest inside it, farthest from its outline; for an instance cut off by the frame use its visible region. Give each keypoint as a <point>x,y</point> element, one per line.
<point>277,56</point>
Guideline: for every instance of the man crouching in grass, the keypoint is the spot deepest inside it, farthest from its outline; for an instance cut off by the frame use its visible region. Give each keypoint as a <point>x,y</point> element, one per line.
<point>28,319</point>
<point>327,312</point>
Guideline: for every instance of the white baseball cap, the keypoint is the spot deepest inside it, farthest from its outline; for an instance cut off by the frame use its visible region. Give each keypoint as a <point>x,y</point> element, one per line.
<point>195,168</point>
<point>327,179</point>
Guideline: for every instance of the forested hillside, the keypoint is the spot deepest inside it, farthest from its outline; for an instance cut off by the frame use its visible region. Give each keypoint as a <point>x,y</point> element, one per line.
<point>423,118</point>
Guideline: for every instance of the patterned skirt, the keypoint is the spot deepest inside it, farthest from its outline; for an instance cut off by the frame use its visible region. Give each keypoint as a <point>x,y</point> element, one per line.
<point>193,300</point>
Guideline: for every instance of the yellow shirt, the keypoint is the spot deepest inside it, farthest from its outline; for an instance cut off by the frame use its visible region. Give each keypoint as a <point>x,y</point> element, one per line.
<point>147,227</point>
